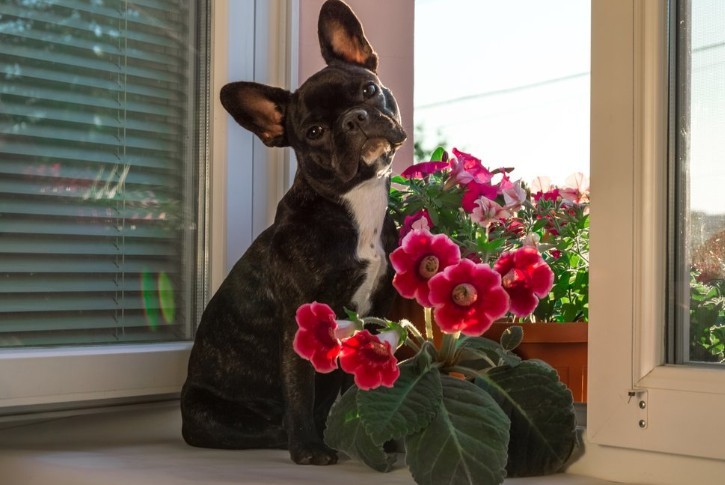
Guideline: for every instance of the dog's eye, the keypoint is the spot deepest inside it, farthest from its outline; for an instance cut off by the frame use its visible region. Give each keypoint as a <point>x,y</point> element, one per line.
<point>370,90</point>
<point>315,132</point>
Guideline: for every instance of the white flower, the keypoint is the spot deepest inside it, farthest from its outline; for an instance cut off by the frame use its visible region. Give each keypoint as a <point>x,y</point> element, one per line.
<point>345,329</point>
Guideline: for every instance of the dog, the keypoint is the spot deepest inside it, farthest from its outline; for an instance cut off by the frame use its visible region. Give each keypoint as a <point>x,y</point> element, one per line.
<point>329,242</point>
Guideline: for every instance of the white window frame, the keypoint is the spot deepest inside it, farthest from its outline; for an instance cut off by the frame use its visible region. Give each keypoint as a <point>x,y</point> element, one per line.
<point>241,199</point>
<point>647,421</point>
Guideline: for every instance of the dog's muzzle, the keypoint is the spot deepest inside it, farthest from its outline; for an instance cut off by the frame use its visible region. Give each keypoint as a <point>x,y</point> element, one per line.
<point>383,135</point>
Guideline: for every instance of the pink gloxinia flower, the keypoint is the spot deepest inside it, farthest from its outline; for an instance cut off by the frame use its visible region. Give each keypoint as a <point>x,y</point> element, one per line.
<point>466,169</point>
<point>525,277</point>
<point>487,212</point>
<point>420,256</point>
<point>369,358</point>
<point>315,339</point>
<point>467,297</point>
<point>419,220</point>
<point>421,170</point>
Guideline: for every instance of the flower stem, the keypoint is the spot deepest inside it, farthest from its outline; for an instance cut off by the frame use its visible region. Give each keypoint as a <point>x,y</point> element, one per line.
<point>449,347</point>
<point>428,315</point>
<point>375,320</point>
<point>414,332</point>
<point>412,345</point>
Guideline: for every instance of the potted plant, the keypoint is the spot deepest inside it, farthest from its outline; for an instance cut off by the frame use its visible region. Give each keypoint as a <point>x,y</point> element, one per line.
<point>487,213</point>
<point>475,248</point>
<point>465,410</point>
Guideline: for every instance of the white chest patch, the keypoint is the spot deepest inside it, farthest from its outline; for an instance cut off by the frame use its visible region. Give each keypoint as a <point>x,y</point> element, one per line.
<point>368,203</point>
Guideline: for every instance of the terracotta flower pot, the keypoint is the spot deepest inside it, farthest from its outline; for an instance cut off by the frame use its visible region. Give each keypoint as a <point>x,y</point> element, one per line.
<point>561,345</point>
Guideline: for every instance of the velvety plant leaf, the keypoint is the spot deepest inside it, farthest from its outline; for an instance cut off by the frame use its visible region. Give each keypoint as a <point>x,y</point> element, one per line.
<point>345,432</point>
<point>512,337</point>
<point>543,424</point>
<point>491,349</point>
<point>466,441</point>
<point>393,412</point>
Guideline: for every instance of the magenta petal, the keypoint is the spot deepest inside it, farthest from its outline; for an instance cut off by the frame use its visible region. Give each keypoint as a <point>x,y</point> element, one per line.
<point>410,285</point>
<point>542,280</point>
<point>401,261</point>
<point>477,328</point>
<point>497,303</point>
<point>368,359</point>
<point>523,302</point>
<point>447,251</point>
<point>420,170</point>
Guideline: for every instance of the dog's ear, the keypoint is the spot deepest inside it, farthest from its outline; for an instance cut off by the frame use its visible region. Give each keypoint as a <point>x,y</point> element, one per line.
<point>259,108</point>
<point>342,37</point>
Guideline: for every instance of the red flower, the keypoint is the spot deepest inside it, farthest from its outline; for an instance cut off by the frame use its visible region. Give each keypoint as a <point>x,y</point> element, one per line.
<point>419,220</point>
<point>475,191</point>
<point>370,360</point>
<point>526,278</point>
<point>421,170</point>
<point>420,256</point>
<point>315,339</point>
<point>466,169</point>
<point>516,228</point>
<point>551,195</point>
<point>467,297</point>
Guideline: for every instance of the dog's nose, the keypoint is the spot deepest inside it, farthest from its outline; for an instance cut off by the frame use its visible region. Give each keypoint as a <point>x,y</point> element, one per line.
<point>355,119</point>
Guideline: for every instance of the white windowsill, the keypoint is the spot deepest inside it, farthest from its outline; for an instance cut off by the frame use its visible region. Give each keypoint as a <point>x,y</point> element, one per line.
<point>143,445</point>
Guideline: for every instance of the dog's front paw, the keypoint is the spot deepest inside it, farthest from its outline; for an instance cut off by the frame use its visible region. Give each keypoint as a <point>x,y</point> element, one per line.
<point>313,454</point>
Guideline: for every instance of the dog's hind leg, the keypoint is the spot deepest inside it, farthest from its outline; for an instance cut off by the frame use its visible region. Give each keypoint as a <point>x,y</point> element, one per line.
<point>211,422</point>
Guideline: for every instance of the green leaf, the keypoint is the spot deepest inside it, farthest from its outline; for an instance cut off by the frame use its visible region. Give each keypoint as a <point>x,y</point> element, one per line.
<point>410,405</point>
<point>512,337</point>
<point>466,441</point>
<point>346,432</point>
<point>543,424</point>
<point>492,349</point>
<point>437,154</point>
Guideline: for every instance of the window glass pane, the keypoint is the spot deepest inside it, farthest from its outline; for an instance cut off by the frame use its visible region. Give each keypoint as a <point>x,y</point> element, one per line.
<point>508,82</point>
<point>505,81</point>
<point>699,175</point>
<point>101,104</point>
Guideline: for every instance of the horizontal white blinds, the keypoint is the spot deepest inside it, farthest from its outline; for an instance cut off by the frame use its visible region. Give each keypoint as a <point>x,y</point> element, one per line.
<point>96,185</point>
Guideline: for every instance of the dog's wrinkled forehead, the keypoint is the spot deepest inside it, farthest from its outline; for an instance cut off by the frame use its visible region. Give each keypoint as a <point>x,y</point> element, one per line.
<point>332,90</point>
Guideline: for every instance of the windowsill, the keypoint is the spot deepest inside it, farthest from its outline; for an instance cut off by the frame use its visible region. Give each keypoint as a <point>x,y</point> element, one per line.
<point>143,445</point>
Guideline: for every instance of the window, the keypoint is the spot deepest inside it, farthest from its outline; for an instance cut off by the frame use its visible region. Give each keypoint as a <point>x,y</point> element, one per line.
<point>697,217</point>
<point>637,401</point>
<point>103,130</point>
<point>70,376</point>
<point>505,81</point>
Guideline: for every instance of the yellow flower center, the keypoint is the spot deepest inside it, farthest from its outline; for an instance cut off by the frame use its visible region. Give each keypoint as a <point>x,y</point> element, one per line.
<point>428,266</point>
<point>464,294</point>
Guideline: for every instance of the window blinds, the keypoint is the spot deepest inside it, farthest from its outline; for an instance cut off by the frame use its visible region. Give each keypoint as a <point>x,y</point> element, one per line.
<point>98,183</point>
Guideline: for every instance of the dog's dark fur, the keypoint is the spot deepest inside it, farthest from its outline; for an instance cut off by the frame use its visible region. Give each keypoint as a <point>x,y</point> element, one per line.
<point>246,387</point>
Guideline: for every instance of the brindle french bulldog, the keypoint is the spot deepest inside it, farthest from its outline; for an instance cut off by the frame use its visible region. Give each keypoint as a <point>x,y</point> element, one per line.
<point>330,240</point>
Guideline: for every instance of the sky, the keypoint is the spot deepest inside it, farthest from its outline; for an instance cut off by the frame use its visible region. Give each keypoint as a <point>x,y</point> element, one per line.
<point>507,81</point>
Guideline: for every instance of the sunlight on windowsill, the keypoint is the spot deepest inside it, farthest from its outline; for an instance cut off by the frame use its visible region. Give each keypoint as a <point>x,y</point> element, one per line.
<point>143,445</point>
